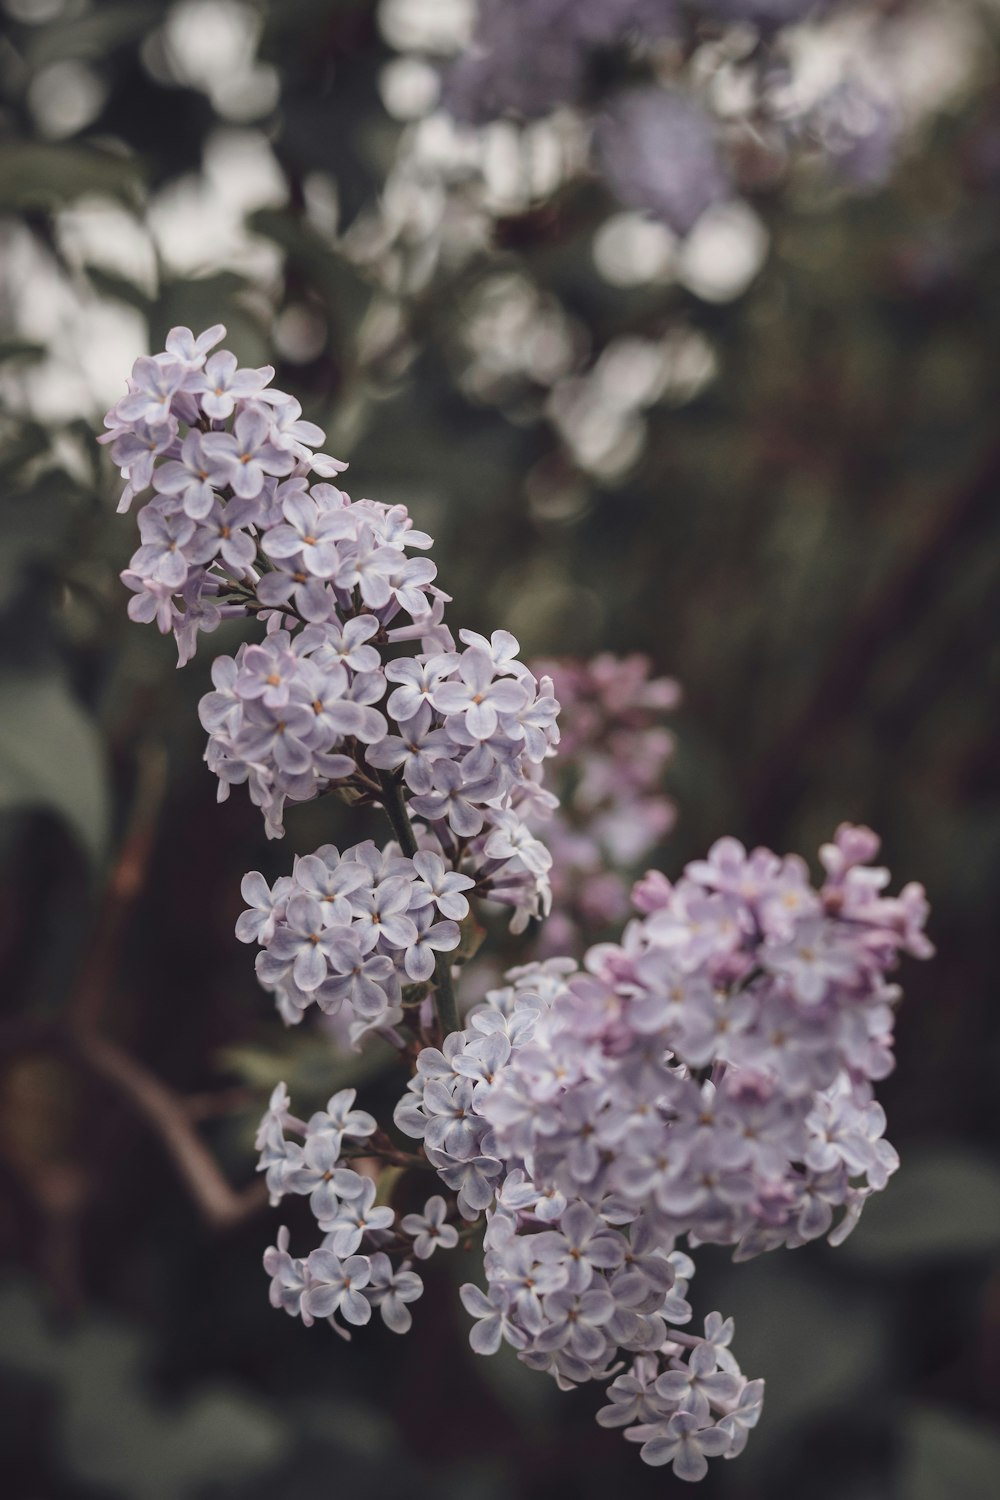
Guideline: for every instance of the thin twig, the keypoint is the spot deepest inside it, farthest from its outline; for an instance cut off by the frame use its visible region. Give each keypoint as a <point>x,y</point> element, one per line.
<point>164,1111</point>
<point>124,885</point>
<point>221,1206</point>
<point>900,603</point>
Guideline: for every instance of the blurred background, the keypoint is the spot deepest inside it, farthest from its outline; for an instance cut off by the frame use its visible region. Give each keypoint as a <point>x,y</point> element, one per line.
<point>679,333</point>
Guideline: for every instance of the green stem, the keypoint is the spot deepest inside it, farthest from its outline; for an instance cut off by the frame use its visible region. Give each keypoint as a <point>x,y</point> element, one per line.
<point>395,807</point>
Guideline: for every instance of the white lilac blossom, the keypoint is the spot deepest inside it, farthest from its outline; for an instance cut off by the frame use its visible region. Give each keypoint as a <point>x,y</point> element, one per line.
<point>709,1078</point>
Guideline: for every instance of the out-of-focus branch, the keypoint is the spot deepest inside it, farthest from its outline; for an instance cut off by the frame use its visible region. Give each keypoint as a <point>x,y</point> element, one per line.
<point>168,1114</point>
<point>164,1111</point>
<point>221,1206</point>
<point>126,881</point>
<point>896,606</point>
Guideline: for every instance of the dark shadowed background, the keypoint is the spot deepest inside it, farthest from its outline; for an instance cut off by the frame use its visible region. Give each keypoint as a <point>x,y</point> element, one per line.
<point>773,466</point>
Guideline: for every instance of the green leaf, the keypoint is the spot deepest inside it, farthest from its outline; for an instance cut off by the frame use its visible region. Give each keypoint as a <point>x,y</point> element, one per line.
<point>37,176</point>
<point>944,1204</point>
<point>118,287</point>
<point>785,1310</point>
<point>310,1065</point>
<point>95,35</point>
<point>113,1431</point>
<point>52,756</point>
<point>946,1455</point>
<point>21,349</point>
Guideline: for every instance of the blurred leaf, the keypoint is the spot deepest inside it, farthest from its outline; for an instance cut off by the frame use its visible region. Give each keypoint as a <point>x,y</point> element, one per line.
<point>35,522</point>
<point>785,1311</point>
<point>92,35</point>
<point>346,294</point>
<point>114,1432</point>
<point>944,1204</point>
<point>12,349</point>
<point>37,176</point>
<point>52,756</point>
<point>149,1452</point>
<point>311,1065</point>
<point>472,937</point>
<point>118,287</point>
<point>19,447</point>
<point>352,1426</point>
<point>946,1456</point>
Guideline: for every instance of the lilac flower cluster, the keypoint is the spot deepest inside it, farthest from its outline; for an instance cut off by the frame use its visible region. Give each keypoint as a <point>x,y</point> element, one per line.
<point>608,777</point>
<point>716,1069</point>
<point>573,1279</point>
<point>709,1078</point>
<point>336,1277</point>
<point>348,931</point>
<point>234,526</point>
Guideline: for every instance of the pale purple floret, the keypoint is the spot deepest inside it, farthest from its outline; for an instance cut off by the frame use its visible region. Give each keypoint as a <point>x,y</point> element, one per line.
<point>698,1385</point>
<point>440,885</point>
<point>221,384</point>
<point>346,644</point>
<point>419,679</point>
<point>334,1285</point>
<point>287,583</point>
<point>310,536</point>
<point>247,454</point>
<point>492,1325</point>
<point>288,1278</point>
<point>153,385</point>
<point>314,1171</point>
<point>479,697</point>
<point>279,735</point>
<point>684,1442</point>
<point>369,984</point>
<point>368,566</point>
<point>341,1116</point>
<point>381,914</point>
<point>502,648</point>
<point>136,452</point>
<point>257,925</point>
<point>268,671</point>
<point>289,429</point>
<point>454,798</point>
<point>182,344</point>
<point>355,1218</point>
<point>414,751</point>
<point>429,1230</point>
<point>575,1322</point>
<point>161,557</point>
<point>224,533</point>
<point>303,942</point>
<point>390,1290</point>
<point>431,938</point>
<point>193,478</point>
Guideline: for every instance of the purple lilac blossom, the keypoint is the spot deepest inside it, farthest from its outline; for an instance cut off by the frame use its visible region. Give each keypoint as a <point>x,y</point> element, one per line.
<point>611,812</point>
<point>528,56</point>
<point>657,150</point>
<point>709,1078</point>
